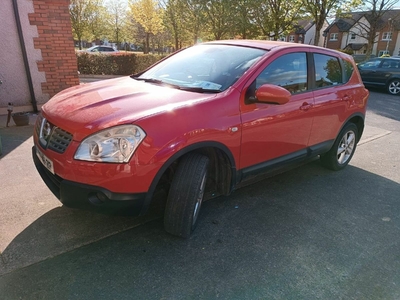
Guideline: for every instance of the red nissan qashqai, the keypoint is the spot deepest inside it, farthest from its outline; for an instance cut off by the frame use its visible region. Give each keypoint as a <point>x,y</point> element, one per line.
<point>198,124</point>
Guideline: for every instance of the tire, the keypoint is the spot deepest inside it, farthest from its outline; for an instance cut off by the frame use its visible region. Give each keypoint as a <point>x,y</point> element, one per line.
<point>186,195</point>
<point>339,156</point>
<point>393,87</point>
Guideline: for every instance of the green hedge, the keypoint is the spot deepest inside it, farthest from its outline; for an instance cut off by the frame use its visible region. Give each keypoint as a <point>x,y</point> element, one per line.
<point>121,63</point>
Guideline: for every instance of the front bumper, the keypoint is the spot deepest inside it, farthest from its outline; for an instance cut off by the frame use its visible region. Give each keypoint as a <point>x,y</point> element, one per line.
<point>88,197</point>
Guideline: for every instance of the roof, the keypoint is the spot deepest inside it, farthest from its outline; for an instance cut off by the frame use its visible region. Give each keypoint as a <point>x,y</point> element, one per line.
<point>355,46</point>
<point>303,26</point>
<point>346,23</point>
<point>270,45</point>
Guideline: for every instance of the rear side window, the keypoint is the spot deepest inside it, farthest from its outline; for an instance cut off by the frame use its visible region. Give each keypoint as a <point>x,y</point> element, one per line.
<point>288,71</point>
<point>348,70</point>
<point>328,71</point>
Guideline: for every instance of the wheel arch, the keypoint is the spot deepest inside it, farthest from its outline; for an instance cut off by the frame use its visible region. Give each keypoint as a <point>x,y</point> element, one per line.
<point>390,79</point>
<point>357,119</point>
<point>222,168</point>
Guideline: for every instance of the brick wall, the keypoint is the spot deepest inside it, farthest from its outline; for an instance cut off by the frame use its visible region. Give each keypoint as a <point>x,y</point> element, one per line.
<point>332,44</point>
<point>55,41</point>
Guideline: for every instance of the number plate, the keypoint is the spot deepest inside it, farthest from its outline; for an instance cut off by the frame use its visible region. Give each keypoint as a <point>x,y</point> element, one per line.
<point>45,160</point>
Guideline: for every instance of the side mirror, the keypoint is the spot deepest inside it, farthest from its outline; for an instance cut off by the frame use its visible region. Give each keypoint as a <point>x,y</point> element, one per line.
<point>272,94</point>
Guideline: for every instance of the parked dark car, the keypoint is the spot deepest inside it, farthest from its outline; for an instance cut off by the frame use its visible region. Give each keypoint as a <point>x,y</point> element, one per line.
<point>382,72</point>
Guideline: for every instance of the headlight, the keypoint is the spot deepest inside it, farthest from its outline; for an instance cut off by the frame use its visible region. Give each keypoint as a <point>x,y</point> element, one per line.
<point>115,145</point>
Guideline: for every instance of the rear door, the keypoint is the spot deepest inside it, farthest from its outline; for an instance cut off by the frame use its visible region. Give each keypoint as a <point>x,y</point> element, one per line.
<point>331,97</point>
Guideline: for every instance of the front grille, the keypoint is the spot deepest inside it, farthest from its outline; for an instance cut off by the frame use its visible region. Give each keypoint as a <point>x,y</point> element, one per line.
<point>59,140</point>
<point>52,137</point>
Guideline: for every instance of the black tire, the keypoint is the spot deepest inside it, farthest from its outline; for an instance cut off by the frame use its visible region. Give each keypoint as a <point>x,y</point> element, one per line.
<point>186,195</point>
<point>393,87</point>
<point>339,156</point>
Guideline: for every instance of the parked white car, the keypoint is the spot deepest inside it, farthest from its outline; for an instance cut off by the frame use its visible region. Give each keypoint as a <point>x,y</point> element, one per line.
<point>100,49</point>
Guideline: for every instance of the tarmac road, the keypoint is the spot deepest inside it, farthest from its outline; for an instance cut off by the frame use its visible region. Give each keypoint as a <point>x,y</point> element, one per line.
<point>307,234</point>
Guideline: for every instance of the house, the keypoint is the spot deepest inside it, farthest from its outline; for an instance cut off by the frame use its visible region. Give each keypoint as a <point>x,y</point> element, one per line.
<point>350,33</point>
<point>303,32</point>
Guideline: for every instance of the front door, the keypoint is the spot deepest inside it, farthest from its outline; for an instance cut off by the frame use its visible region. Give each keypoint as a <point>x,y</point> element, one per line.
<point>273,133</point>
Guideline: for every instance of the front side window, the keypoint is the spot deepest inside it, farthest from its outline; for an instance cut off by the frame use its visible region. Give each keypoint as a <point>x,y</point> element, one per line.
<point>334,37</point>
<point>353,36</point>
<point>291,38</point>
<point>327,70</point>
<point>288,71</point>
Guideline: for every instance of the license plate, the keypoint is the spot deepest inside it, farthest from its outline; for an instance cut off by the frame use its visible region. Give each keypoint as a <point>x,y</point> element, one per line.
<point>45,160</point>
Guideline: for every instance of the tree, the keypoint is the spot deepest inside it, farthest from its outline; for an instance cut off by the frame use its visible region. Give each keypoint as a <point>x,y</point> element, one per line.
<point>81,12</point>
<point>319,10</point>
<point>117,21</point>
<point>195,17</point>
<point>219,17</point>
<point>245,26</point>
<point>276,17</point>
<point>98,21</point>
<point>173,19</point>
<point>149,15</point>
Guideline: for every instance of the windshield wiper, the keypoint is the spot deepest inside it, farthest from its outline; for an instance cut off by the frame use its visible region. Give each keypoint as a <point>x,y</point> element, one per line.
<point>151,80</point>
<point>175,86</point>
<point>198,89</point>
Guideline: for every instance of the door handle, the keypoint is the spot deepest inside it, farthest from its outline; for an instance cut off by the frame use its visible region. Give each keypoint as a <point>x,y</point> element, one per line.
<point>305,106</point>
<point>346,98</point>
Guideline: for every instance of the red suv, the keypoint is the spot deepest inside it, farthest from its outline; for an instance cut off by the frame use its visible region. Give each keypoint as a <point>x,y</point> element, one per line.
<point>198,124</point>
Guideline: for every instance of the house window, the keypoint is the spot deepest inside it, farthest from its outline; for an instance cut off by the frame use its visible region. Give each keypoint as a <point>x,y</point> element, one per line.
<point>282,38</point>
<point>334,37</point>
<point>352,36</point>
<point>387,36</point>
<point>382,52</point>
<point>291,38</point>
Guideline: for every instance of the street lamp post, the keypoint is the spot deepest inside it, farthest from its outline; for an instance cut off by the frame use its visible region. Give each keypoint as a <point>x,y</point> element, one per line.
<point>389,36</point>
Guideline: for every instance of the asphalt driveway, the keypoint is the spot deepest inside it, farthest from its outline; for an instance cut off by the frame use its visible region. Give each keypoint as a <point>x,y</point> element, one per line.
<point>306,234</point>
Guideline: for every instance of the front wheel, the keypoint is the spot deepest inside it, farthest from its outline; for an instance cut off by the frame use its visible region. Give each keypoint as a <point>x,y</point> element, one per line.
<point>342,150</point>
<point>393,87</point>
<point>186,195</point>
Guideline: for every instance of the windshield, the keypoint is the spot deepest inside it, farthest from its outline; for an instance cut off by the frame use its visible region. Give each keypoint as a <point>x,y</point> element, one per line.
<point>204,67</point>
<point>374,63</point>
<point>91,48</point>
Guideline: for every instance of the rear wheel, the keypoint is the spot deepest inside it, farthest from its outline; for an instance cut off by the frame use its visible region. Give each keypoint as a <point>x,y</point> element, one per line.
<point>394,87</point>
<point>342,150</point>
<point>186,195</point>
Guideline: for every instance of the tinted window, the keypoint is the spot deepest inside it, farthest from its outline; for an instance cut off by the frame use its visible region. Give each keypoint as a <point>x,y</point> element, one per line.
<point>370,64</point>
<point>288,71</point>
<point>348,70</point>
<point>327,70</point>
<point>390,64</point>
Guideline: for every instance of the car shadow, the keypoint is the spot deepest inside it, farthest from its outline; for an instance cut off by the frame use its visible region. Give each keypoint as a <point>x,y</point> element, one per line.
<point>63,229</point>
<point>336,232</point>
<point>14,136</point>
